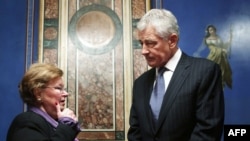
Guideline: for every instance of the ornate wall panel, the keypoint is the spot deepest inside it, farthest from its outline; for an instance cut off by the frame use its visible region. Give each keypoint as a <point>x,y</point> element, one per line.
<point>139,7</point>
<point>92,41</point>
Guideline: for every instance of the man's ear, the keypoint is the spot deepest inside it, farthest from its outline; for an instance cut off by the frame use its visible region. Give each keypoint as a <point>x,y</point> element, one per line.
<point>173,40</point>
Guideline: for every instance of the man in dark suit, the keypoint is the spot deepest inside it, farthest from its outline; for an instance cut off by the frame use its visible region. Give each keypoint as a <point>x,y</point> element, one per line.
<point>192,105</point>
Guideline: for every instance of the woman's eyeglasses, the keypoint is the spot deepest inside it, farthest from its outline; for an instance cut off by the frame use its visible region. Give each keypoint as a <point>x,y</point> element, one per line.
<point>61,89</point>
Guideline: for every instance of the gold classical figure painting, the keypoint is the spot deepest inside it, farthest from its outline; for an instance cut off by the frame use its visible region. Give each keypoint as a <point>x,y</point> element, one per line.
<point>219,51</point>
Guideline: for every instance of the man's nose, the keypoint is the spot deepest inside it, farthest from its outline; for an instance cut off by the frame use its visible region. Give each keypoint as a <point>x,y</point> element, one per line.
<point>144,50</point>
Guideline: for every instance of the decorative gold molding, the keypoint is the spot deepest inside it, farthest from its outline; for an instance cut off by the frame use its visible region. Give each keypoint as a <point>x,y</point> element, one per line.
<point>128,62</point>
<point>148,6</point>
<point>40,36</point>
<point>63,37</point>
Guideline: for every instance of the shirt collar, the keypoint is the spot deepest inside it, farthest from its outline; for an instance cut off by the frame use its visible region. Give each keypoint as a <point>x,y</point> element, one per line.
<point>172,63</point>
<point>48,118</point>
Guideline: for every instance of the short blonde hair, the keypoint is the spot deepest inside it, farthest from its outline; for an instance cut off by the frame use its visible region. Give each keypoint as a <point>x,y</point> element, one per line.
<point>37,76</point>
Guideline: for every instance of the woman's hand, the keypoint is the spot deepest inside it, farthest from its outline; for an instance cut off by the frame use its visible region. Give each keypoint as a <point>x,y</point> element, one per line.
<point>65,113</point>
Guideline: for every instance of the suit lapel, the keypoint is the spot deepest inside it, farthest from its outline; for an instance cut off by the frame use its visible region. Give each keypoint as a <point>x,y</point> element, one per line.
<point>148,91</point>
<point>176,82</point>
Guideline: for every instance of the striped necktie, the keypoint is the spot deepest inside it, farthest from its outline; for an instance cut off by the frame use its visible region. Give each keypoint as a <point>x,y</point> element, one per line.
<point>158,93</point>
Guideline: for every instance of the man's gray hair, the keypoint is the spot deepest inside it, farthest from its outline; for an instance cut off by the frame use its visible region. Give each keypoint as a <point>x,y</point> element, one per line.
<point>162,20</point>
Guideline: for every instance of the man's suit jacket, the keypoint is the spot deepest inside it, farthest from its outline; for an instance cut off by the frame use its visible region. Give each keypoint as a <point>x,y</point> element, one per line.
<point>29,126</point>
<point>192,109</point>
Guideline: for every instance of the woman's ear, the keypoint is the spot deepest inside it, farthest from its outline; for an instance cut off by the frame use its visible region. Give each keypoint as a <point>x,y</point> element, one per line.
<point>37,94</point>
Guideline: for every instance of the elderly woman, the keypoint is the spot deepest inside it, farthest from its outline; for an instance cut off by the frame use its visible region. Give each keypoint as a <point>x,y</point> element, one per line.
<point>46,119</point>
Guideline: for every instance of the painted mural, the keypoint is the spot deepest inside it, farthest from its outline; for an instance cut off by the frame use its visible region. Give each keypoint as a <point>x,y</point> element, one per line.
<point>228,21</point>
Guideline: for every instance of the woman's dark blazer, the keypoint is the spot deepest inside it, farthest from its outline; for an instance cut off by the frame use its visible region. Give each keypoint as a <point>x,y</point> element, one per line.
<point>192,109</point>
<point>29,126</point>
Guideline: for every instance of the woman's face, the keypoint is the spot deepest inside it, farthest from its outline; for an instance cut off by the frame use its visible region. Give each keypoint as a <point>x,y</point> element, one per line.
<point>211,31</point>
<point>51,95</point>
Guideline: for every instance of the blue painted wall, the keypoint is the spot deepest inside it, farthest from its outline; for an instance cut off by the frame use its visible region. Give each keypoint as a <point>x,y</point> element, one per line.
<point>193,17</point>
<point>12,59</point>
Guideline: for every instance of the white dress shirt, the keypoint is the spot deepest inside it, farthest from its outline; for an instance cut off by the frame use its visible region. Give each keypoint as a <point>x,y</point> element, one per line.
<point>171,65</point>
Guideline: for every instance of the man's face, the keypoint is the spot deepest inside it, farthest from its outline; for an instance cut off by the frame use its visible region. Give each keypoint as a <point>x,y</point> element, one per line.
<point>156,50</point>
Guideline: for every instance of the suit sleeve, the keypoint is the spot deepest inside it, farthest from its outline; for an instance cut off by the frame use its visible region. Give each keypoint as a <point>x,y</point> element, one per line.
<point>209,107</point>
<point>134,133</point>
<point>37,129</point>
